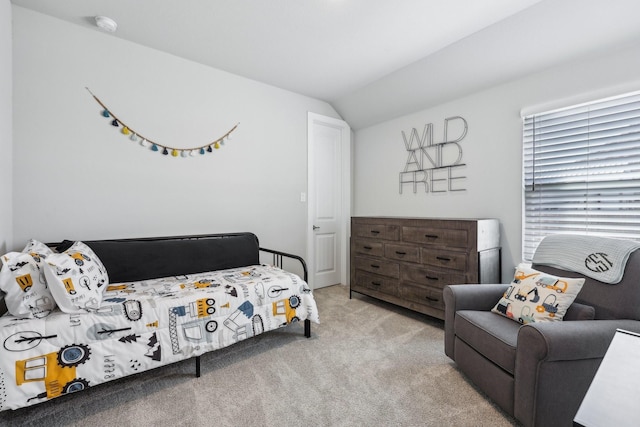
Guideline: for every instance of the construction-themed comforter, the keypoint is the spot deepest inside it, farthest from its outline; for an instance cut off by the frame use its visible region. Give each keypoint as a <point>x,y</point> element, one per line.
<point>143,325</point>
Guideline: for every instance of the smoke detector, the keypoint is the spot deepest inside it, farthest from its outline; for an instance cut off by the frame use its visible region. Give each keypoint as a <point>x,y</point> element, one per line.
<point>106,24</point>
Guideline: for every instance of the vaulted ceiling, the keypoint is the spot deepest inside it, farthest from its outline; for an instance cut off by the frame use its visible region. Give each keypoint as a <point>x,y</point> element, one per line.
<point>371,59</point>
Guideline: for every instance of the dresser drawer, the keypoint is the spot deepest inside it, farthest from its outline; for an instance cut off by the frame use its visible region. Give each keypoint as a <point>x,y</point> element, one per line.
<point>377,283</point>
<point>436,236</point>
<point>367,247</point>
<point>378,266</point>
<point>422,295</point>
<point>402,253</point>
<point>446,259</point>
<point>377,231</point>
<point>429,277</point>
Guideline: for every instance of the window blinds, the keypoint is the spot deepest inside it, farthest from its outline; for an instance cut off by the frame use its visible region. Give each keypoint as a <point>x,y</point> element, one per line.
<point>582,171</point>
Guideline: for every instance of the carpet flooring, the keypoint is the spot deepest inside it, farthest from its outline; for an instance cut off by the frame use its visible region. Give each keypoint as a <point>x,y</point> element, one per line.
<point>367,364</point>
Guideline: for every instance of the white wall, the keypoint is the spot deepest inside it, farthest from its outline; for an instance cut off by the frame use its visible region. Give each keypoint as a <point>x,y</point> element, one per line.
<point>6,132</point>
<point>492,148</point>
<point>76,177</point>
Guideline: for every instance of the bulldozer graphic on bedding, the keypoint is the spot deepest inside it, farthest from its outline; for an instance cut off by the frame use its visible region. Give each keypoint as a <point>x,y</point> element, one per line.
<point>244,323</point>
<point>56,370</point>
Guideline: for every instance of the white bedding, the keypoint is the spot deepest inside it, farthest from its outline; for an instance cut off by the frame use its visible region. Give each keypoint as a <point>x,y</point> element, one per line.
<point>143,325</point>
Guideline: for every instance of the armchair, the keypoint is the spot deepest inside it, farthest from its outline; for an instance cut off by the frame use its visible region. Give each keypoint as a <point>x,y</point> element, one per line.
<point>539,372</point>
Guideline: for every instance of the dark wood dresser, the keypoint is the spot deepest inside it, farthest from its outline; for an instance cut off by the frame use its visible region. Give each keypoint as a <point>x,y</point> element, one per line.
<point>408,261</point>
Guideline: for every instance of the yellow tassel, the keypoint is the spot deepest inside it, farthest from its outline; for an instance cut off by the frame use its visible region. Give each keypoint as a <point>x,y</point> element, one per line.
<point>125,130</point>
<point>216,145</point>
<point>174,153</point>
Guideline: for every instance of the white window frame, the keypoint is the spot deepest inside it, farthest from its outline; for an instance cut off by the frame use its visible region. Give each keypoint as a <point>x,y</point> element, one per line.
<point>581,171</point>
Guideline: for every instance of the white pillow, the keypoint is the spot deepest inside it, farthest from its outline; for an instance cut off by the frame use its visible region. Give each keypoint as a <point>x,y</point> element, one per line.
<point>22,279</point>
<point>76,278</point>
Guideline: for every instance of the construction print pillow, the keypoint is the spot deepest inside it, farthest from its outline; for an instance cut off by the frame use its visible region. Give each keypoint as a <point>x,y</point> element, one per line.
<point>23,281</point>
<point>535,296</point>
<point>76,278</point>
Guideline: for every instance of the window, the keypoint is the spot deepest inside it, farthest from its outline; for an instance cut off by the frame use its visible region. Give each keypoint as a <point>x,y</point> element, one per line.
<point>582,171</point>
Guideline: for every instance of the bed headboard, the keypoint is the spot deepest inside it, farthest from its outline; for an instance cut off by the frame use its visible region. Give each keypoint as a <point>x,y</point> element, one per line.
<point>129,260</point>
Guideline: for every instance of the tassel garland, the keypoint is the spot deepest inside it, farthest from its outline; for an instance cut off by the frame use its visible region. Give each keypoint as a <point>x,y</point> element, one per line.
<point>145,142</point>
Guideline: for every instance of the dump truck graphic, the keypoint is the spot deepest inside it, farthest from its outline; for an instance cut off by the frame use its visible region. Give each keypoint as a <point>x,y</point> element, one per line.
<point>195,331</point>
<point>287,308</point>
<point>557,285</point>
<point>199,330</point>
<point>200,308</point>
<point>57,371</point>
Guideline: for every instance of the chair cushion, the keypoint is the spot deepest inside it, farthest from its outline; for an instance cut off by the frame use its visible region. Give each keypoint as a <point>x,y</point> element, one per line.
<point>490,334</point>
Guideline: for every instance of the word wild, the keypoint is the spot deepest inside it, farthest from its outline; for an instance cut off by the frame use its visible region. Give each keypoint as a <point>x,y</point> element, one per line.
<point>434,164</point>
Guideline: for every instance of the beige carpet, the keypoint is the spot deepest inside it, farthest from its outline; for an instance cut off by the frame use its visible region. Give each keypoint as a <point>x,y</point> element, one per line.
<point>367,364</point>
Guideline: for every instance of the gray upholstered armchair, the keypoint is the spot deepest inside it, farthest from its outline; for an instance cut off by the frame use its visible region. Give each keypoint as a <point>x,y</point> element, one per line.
<point>539,372</point>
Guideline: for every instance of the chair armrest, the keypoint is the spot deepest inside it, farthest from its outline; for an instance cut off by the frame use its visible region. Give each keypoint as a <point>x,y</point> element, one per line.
<point>573,340</point>
<point>473,297</point>
<point>556,362</point>
<point>466,297</point>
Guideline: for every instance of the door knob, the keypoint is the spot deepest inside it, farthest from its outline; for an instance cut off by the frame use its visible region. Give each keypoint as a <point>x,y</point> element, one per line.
<point>315,227</point>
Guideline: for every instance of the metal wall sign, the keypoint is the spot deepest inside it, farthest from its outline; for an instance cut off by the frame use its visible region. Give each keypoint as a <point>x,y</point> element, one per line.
<point>434,165</point>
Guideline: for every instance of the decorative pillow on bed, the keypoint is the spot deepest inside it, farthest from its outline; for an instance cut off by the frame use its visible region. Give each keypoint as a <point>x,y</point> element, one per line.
<point>22,279</point>
<point>535,296</point>
<point>76,278</point>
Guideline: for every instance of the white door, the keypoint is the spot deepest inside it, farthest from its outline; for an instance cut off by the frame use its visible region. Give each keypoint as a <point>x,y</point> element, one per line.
<point>329,200</point>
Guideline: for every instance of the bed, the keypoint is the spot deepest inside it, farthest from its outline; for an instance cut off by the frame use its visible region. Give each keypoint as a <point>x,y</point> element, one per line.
<point>150,322</point>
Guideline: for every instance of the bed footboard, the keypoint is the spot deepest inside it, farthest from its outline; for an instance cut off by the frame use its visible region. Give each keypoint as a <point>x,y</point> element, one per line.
<point>277,261</point>
<point>278,257</point>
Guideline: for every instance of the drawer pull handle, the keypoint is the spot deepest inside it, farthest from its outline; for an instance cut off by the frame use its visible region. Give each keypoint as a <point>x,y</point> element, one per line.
<point>367,248</point>
<point>375,232</point>
<point>432,299</point>
<point>401,253</point>
<point>375,266</point>
<point>376,283</point>
<point>431,278</point>
<point>442,258</point>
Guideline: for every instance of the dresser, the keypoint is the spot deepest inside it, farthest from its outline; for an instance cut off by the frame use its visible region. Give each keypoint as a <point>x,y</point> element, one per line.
<point>409,261</point>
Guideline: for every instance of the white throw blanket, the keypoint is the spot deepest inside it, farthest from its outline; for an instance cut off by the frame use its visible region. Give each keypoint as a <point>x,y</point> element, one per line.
<point>600,258</point>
